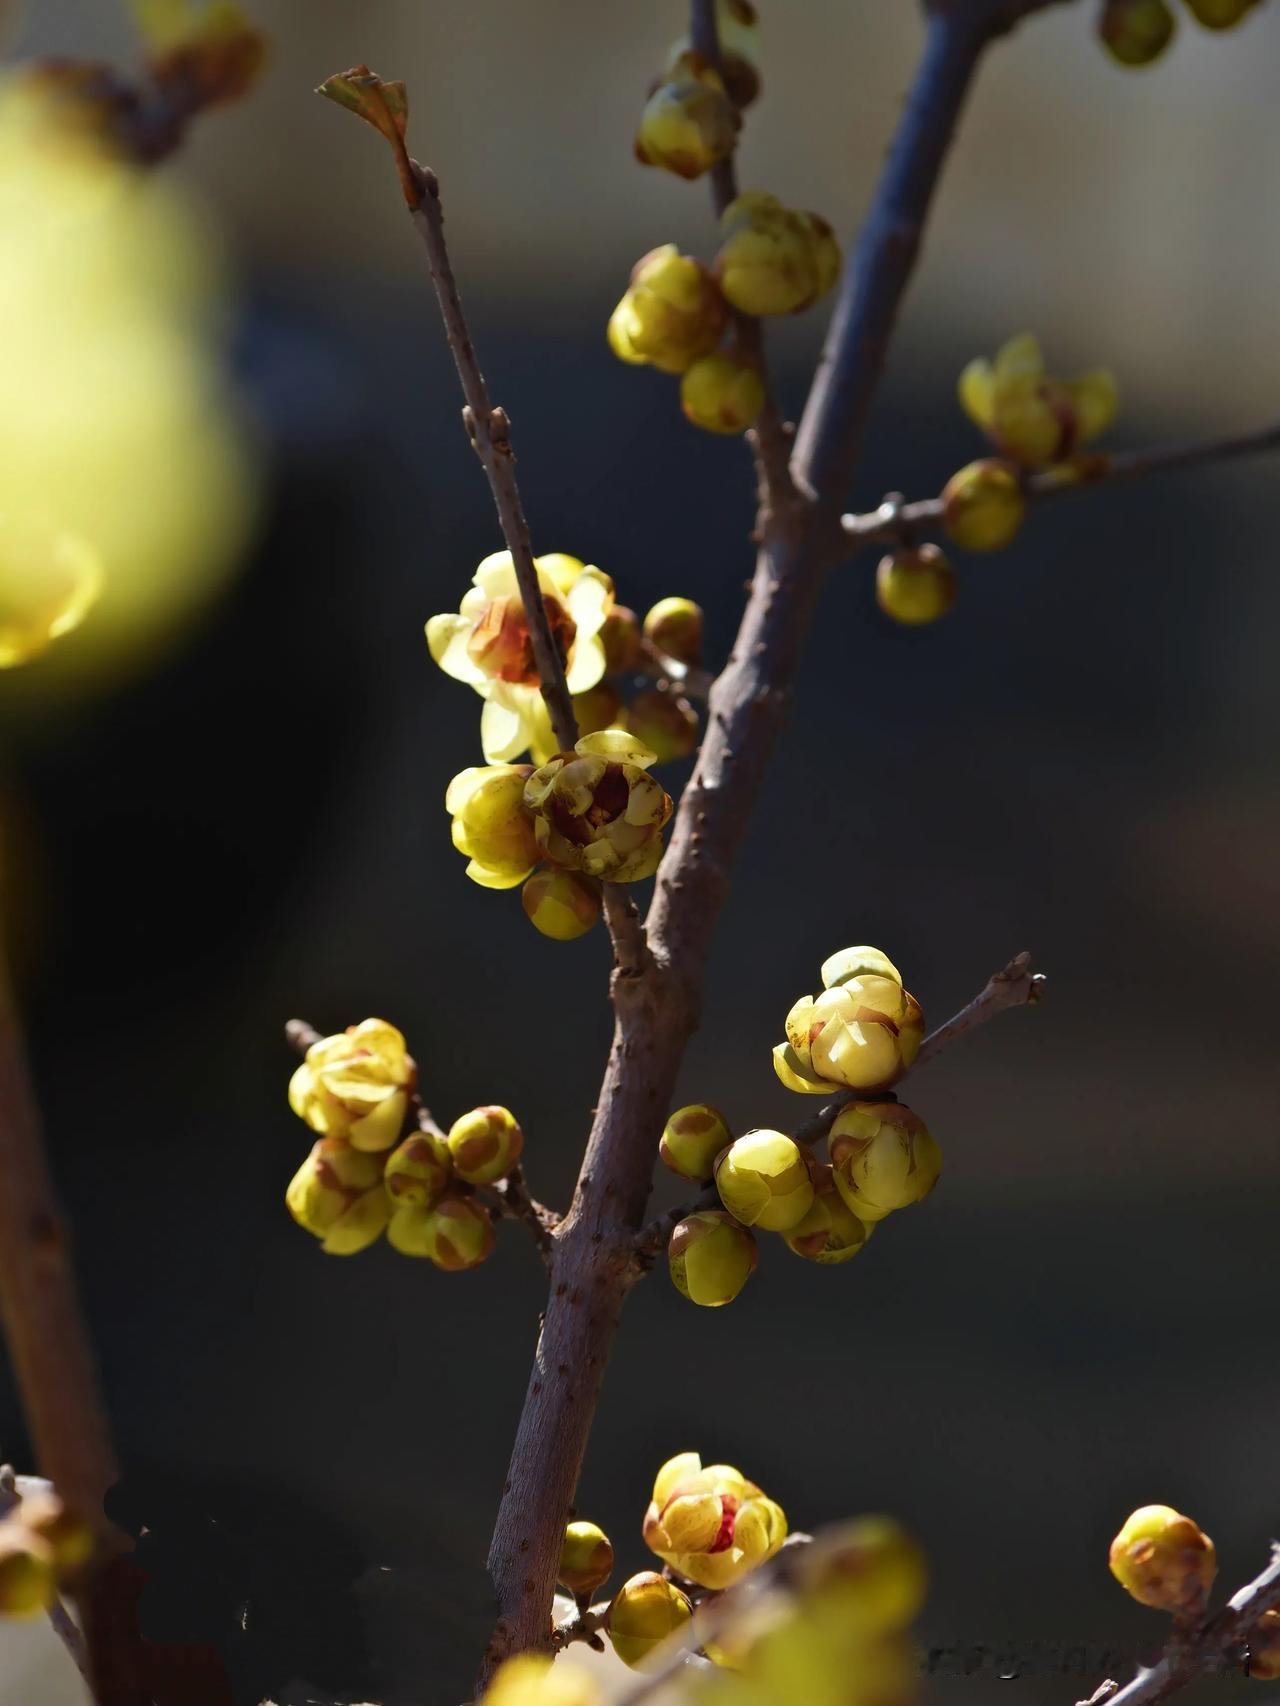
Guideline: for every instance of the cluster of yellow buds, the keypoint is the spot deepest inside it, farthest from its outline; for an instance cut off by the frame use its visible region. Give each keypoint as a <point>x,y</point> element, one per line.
<point>1031,417</point>
<point>861,1033</point>
<point>691,118</point>
<point>363,1177</point>
<point>43,1546</point>
<point>773,259</point>
<point>1036,421</point>
<point>1137,32</point>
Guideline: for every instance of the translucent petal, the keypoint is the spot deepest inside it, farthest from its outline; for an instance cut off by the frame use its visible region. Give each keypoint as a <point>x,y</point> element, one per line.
<point>1097,399</point>
<point>674,1472</point>
<point>496,576</point>
<point>562,569</point>
<point>589,599</point>
<point>976,389</point>
<point>794,1075</point>
<point>619,746</point>
<point>495,879</point>
<point>447,638</point>
<point>503,734</point>
<point>1020,356</point>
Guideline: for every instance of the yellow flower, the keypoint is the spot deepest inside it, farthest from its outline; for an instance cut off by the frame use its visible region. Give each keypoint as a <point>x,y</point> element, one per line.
<point>672,312</point>
<point>774,259</point>
<point>356,1085</point>
<point>1164,1559</point>
<point>1029,415</point>
<point>492,826</point>
<point>861,1033</point>
<point>764,1180</point>
<point>487,645</point>
<point>883,1157</point>
<point>49,579</point>
<point>711,1525</point>
<point>597,810</point>
<point>338,1196</point>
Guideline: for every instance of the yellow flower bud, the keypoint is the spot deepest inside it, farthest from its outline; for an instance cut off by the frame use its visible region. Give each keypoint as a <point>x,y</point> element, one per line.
<point>586,1558</point>
<point>68,1536</point>
<point>710,1257</point>
<point>1219,14</point>
<point>664,722</point>
<point>711,1525</point>
<point>356,1085</point>
<point>599,708</point>
<point>646,1609</point>
<point>485,1144</point>
<point>691,1140</point>
<point>1135,32</point>
<point>764,1180</point>
<point>915,586</point>
<point>531,1679</point>
<point>1164,1560</point>
<point>688,123</point>
<point>862,1033</point>
<point>561,904</point>
<point>620,637</point>
<point>598,810</point>
<point>492,826</point>
<point>830,1232</point>
<point>49,580</point>
<point>338,1196</point>
<point>983,505</point>
<point>737,26</point>
<point>456,1234</point>
<point>674,627</point>
<point>774,259</point>
<point>1264,1648</point>
<point>28,1577</point>
<point>869,1573</point>
<point>419,1171</point>
<point>671,314</point>
<point>883,1157</point>
<point>723,392</point>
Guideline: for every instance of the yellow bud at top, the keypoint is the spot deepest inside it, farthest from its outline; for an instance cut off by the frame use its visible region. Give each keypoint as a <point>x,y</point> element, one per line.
<point>1135,32</point>
<point>689,123</point>
<point>849,963</point>
<point>645,1611</point>
<point>1164,1560</point>
<point>485,1144</point>
<point>983,505</point>
<point>586,1558</point>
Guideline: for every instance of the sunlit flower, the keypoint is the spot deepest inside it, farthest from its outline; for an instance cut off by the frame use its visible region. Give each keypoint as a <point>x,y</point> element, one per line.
<point>487,645</point>
<point>711,1525</point>
<point>1028,414</point>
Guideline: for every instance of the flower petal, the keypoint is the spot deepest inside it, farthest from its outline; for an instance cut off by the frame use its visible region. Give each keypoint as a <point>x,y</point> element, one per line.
<point>1097,399</point>
<point>586,663</point>
<point>977,392</point>
<point>617,745</point>
<point>447,638</point>
<point>1019,358</point>
<point>503,730</point>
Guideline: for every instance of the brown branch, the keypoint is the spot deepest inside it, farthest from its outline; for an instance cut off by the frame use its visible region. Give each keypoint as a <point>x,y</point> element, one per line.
<point>770,438</point>
<point>898,523</point>
<point>1191,1654</point>
<point>1014,985</point>
<point>595,1246</point>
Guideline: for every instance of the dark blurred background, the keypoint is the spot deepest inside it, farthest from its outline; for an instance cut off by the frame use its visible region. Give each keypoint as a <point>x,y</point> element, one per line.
<point>243,821</point>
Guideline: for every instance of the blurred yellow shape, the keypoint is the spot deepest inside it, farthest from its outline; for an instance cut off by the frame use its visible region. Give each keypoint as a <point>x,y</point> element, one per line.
<point>48,580</point>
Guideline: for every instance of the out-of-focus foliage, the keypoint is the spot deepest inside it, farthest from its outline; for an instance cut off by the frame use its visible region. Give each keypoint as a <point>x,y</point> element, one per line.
<point>117,426</point>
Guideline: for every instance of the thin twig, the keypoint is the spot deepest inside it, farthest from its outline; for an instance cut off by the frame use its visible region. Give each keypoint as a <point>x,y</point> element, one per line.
<point>1193,1654</point>
<point>1014,985</point>
<point>900,523</point>
<point>585,1625</point>
<point>770,438</point>
<point>651,1240</point>
<point>489,429</point>
<point>300,1035</point>
<point>510,1198</point>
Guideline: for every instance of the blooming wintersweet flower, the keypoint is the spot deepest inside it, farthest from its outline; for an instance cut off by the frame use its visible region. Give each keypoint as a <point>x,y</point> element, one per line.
<point>711,1525</point>
<point>1030,416</point>
<point>487,645</point>
<point>597,809</point>
<point>862,1032</point>
<point>356,1085</point>
<point>492,826</point>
